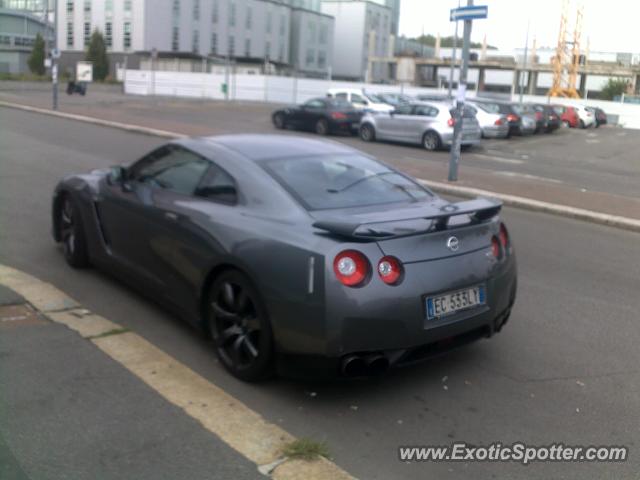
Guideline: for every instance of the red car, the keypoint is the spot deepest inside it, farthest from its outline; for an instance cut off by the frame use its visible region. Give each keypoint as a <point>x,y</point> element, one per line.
<point>568,115</point>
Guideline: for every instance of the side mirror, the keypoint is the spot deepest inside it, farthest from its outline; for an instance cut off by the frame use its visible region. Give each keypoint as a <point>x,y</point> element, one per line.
<point>221,193</point>
<point>117,175</point>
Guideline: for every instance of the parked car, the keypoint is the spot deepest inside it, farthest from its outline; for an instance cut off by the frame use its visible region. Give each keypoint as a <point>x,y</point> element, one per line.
<point>599,115</point>
<point>427,124</point>
<point>516,126</point>
<point>493,125</point>
<point>322,115</point>
<point>548,114</point>
<point>575,116</point>
<point>530,122</point>
<point>394,99</point>
<point>294,253</point>
<point>360,99</point>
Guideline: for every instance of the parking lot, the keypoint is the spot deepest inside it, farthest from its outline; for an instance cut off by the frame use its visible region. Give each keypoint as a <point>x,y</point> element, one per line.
<point>563,370</point>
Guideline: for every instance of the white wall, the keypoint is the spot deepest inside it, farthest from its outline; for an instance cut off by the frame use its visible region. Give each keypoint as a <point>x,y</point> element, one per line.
<point>285,90</point>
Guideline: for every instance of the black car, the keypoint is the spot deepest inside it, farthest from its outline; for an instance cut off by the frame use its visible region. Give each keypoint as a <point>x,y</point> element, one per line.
<point>506,109</point>
<point>321,115</point>
<point>548,116</point>
<point>600,116</point>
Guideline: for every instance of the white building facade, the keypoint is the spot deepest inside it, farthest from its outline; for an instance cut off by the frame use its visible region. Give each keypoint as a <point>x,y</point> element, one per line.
<point>361,27</point>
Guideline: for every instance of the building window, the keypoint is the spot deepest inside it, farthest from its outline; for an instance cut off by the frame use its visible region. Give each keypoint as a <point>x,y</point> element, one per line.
<point>214,43</point>
<point>214,12</point>
<point>69,6</point>
<point>70,35</point>
<point>247,47</point>
<point>196,9</point>
<point>322,59</point>
<point>283,25</point>
<point>312,31</point>
<point>248,19</point>
<point>324,33</point>
<point>108,34</point>
<point>127,35</point>
<point>108,5</point>
<point>87,7</point>
<point>176,9</point>
<point>232,14</point>
<point>127,5</point>
<point>281,51</point>
<point>175,39</point>
<point>195,42</point>
<point>232,46</point>
<point>267,50</point>
<point>310,57</point>
<point>268,22</point>
<point>87,33</point>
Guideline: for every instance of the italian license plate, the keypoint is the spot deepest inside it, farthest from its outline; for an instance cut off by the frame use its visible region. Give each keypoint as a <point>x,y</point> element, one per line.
<point>452,302</point>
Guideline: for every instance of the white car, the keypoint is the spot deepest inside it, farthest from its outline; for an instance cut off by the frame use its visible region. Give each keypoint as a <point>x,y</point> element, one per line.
<point>586,118</point>
<point>360,99</point>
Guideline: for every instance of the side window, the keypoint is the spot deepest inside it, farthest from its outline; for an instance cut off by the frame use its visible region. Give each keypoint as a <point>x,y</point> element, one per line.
<point>426,111</point>
<point>218,186</point>
<point>403,110</point>
<point>171,168</point>
<point>315,103</point>
<point>355,98</point>
<point>342,96</point>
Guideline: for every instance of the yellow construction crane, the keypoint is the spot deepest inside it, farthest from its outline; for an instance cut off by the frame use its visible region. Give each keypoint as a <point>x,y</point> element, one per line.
<point>567,58</point>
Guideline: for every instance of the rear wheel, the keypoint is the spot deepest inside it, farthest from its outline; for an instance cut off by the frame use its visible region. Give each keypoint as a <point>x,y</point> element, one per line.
<point>74,242</point>
<point>278,121</point>
<point>431,141</point>
<point>240,327</point>
<point>322,127</point>
<point>367,133</point>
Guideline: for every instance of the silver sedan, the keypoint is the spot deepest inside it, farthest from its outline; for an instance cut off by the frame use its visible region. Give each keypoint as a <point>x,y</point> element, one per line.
<point>427,124</point>
<point>493,123</point>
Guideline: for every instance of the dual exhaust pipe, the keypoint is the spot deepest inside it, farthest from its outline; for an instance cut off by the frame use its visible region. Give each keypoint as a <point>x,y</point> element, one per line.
<point>364,365</point>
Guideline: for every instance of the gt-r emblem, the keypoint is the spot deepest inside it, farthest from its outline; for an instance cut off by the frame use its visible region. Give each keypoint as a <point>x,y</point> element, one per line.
<point>453,244</point>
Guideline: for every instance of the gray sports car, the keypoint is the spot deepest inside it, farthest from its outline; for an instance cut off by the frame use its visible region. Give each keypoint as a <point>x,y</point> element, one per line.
<point>297,255</point>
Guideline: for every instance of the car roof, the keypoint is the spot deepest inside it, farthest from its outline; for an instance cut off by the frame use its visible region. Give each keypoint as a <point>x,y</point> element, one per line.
<point>348,90</point>
<point>262,146</point>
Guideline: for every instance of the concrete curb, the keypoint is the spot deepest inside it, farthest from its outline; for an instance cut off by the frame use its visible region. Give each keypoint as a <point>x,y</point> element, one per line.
<point>229,419</point>
<point>566,211</point>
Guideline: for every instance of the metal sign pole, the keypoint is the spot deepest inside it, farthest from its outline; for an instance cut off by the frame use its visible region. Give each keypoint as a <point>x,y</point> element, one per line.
<point>453,57</point>
<point>54,61</point>
<point>454,161</point>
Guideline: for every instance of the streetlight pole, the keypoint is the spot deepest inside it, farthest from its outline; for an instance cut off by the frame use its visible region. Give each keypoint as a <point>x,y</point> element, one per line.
<point>459,111</point>
<point>54,61</point>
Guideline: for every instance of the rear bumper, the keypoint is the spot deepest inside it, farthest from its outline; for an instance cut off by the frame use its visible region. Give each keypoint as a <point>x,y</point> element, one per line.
<point>496,131</point>
<point>467,138</point>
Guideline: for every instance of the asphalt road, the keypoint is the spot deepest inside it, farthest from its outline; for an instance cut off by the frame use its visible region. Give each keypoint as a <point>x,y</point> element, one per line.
<point>565,369</point>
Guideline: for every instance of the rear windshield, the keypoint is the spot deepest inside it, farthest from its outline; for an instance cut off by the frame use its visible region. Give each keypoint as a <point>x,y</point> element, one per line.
<point>341,181</point>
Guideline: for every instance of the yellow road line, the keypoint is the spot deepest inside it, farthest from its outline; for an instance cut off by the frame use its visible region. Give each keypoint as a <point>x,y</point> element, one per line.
<point>231,420</point>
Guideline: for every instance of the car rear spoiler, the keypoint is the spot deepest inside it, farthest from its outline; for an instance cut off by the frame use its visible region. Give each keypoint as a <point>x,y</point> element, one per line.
<point>478,210</point>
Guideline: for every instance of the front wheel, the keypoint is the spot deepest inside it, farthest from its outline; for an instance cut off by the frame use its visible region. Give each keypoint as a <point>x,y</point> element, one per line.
<point>431,141</point>
<point>322,127</point>
<point>240,328</point>
<point>582,125</point>
<point>367,133</point>
<point>74,242</point>
<point>278,121</point>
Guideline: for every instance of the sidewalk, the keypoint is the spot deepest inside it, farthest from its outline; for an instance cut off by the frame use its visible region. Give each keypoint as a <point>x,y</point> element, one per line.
<point>68,411</point>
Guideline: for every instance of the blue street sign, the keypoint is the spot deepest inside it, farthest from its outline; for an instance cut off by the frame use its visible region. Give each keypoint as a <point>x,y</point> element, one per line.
<point>469,13</point>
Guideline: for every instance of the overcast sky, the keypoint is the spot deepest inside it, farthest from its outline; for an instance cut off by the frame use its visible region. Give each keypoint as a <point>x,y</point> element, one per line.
<point>611,25</point>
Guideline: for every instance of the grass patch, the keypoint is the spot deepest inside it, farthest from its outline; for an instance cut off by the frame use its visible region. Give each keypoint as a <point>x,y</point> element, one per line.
<point>115,331</point>
<point>306,449</point>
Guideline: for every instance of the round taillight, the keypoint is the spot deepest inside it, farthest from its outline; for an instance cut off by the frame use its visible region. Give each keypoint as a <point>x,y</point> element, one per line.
<point>504,236</point>
<point>495,246</point>
<point>351,267</point>
<point>390,270</point>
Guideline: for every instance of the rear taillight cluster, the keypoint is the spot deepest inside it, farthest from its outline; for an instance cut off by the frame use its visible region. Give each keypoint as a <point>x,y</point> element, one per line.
<point>513,118</point>
<point>498,122</point>
<point>353,269</point>
<point>500,244</point>
<point>538,116</point>
<point>451,122</point>
<point>338,116</point>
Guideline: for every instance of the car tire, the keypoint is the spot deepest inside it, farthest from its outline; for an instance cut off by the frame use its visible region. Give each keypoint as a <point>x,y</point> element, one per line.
<point>239,326</point>
<point>431,141</point>
<point>72,234</point>
<point>367,133</point>
<point>322,127</point>
<point>582,125</point>
<point>279,121</point>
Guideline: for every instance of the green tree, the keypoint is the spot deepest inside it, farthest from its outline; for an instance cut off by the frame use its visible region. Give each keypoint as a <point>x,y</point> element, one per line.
<point>97,54</point>
<point>613,88</point>
<point>36,59</point>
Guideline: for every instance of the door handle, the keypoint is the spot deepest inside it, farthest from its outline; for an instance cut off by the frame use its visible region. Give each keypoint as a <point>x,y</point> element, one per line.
<point>171,216</point>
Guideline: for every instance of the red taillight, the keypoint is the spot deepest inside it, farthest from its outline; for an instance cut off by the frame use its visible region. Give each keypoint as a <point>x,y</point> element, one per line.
<point>451,122</point>
<point>351,268</point>
<point>498,122</point>
<point>495,246</point>
<point>338,116</point>
<point>390,270</point>
<point>538,115</point>
<point>512,118</point>
<point>504,236</point>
